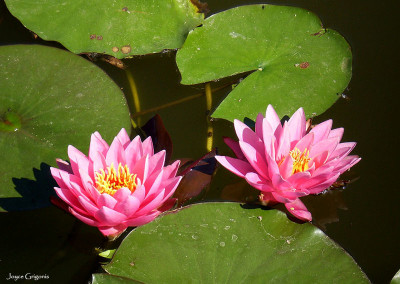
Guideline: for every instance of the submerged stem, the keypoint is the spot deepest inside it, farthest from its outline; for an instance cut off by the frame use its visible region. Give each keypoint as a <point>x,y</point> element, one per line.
<point>189,98</point>
<point>210,129</point>
<point>135,94</point>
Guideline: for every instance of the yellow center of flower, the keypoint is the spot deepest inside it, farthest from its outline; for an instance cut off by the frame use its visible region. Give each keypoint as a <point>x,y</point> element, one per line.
<point>110,180</point>
<point>300,160</point>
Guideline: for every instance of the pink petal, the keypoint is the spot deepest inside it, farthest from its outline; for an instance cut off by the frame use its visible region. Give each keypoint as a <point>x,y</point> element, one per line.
<point>258,182</point>
<point>255,159</point>
<point>299,178</point>
<point>347,163</point>
<point>122,194</point>
<point>153,182</point>
<point>85,219</point>
<point>272,118</point>
<point>139,221</point>
<point>286,167</point>
<point>150,203</point>
<point>141,168</point>
<point>318,179</point>
<point>77,160</point>
<point>247,135</point>
<point>88,186</point>
<point>324,185</point>
<point>70,199</point>
<point>342,150</point>
<point>128,206</point>
<point>64,166</point>
<point>156,162</point>
<point>70,182</point>
<point>147,146</point>
<point>98,162</point>
<point>279,198</point>
<point>279,183</point>
<point>140,192</point>
<point>116,154</point>
<point>284,143</point>
<point>338,133</point>
<point>90,208</point>
<point>328,145</point>
<point>97,144</point>
<point>299,210</point>
<point>56,173</point>
<point>322,130</point>
<point>320,159</point>
<point>269,139</point>
<point>109,217</point>
<point>171,170</point>
<point>234,145</point>
<point>123,138</point>
<point>113,230</point>
<point>297,125</point>
<point>106,200</point>
<point>305,142</point>
<point>259,125</point>
<point>236,166</point>
<point>171,187</point>
<point>133,152</point>
<point>273,168</point>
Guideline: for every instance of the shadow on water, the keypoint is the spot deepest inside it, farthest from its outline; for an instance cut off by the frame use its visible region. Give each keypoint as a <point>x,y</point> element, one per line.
<point>34,193</point>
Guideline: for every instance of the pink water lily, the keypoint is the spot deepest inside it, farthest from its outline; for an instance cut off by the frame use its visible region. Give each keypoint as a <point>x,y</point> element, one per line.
<point>290,161</point>
<point>118,186</point>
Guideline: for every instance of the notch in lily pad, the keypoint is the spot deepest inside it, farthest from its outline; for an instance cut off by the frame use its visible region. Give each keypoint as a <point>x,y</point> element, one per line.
<point>295,62</point>
<point>10,122</point>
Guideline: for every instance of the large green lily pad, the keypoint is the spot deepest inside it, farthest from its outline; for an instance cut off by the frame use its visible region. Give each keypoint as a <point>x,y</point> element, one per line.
<point>396,278</point>
<point>225,243</point>
<point>119,28</point>
<point>296,62</point>
<point>49,99</point>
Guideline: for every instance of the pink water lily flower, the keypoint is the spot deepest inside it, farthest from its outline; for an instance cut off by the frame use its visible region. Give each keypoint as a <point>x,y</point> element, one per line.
<point>118,186</point>
<point>287,162</point>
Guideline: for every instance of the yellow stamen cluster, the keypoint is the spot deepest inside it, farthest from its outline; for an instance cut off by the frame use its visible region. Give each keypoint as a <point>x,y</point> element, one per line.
<point>300,160</point>
<point>110,180</point>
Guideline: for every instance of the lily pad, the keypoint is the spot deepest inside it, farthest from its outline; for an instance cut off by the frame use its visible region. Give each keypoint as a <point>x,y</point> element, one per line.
<point>225,243</point>
<point>49,99</point>
<point>295,62</point>
<point>119,28</point>
<point>396,278</point>
<point>110,279</point>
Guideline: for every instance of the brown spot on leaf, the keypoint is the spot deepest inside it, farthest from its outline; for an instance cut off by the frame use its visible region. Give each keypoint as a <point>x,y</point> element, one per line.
<point>115,49</point>
<point>125,9</point>
<point>93,36</point>
<point>304,65</point>
<point>126,49</point>
<point>320,32</point>
<point>99,37</point>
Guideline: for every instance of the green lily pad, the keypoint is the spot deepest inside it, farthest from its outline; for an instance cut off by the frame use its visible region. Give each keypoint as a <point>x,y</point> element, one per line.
<point>296,62</point>
<point>49,99</point>
<point>119,28</point>
<point>225,243</point>
<point>110,279</point>
<point>396,278</point>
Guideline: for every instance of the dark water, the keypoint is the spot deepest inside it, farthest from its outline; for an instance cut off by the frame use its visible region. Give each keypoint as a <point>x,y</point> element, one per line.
<point>364,218</point>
